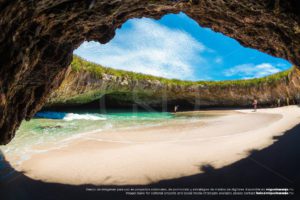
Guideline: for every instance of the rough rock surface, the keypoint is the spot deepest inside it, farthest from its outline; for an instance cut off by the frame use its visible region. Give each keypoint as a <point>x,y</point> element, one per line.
<point>82,87</point>
<point>38,36</point>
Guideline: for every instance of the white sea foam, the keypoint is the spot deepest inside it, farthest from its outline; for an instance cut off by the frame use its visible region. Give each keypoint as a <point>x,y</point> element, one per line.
<point>73,116</point>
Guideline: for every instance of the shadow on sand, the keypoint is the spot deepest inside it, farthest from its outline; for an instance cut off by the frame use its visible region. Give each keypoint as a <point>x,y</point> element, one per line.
<point>277,166</point>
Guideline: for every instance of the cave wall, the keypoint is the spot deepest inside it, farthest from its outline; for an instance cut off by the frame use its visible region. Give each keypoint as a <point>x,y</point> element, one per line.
<point>37,39</point>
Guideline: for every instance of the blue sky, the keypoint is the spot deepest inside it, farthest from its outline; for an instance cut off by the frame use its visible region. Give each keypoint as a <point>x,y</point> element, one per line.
<point>177,47</point>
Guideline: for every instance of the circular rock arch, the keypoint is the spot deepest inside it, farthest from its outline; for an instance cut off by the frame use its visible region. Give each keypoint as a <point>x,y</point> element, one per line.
<point>38,37</point>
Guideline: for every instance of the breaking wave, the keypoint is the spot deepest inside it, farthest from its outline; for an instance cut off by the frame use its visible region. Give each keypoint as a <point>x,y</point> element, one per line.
<point>69,116</point>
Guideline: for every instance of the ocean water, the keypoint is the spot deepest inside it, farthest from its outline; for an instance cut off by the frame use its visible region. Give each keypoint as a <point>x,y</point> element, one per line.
<point>50,127</point>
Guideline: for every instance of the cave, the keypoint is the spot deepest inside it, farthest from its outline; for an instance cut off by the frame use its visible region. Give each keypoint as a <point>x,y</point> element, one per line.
<point>38,39</point>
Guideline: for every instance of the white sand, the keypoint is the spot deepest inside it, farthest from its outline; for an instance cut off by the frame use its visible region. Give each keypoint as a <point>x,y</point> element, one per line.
<point>147,155</point>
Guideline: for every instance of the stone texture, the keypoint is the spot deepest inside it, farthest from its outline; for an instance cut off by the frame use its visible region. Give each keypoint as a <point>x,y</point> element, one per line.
<point>38,36</point>
<point>83,87</point>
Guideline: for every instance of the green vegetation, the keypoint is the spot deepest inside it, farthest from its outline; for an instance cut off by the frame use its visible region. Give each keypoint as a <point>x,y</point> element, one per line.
<point>69,94</point>
<point>80,64</point>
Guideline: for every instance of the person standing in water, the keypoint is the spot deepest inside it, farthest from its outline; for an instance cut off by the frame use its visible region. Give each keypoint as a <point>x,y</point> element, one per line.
<point>176,108</point>
<point>255,104</point>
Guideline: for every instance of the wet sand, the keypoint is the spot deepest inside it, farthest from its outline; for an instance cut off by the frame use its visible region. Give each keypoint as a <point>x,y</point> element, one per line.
<point>148,155</point>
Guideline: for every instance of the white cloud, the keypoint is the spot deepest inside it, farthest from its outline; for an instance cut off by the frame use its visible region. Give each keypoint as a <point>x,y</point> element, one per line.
<point>149,48</point>
<point>219,60</point>
<point>247,71</point>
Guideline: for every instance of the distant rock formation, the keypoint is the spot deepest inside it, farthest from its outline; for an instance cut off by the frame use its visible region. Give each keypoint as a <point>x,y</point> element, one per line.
<point>84,84</point>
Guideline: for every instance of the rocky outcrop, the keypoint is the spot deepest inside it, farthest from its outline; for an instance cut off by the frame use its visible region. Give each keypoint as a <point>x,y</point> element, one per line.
<point>83,85</point>
<point>38,37</point>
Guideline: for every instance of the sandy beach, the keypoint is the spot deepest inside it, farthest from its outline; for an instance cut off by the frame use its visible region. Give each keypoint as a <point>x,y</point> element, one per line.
<point>148,155</point>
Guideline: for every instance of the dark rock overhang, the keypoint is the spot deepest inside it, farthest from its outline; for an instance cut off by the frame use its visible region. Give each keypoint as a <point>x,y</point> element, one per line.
<point>38,37</point>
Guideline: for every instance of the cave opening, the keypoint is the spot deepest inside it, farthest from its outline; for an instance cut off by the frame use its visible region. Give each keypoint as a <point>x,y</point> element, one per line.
<point>175,48</point>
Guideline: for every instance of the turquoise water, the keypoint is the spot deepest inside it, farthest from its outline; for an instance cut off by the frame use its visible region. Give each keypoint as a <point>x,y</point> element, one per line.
<point>54,127</point>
